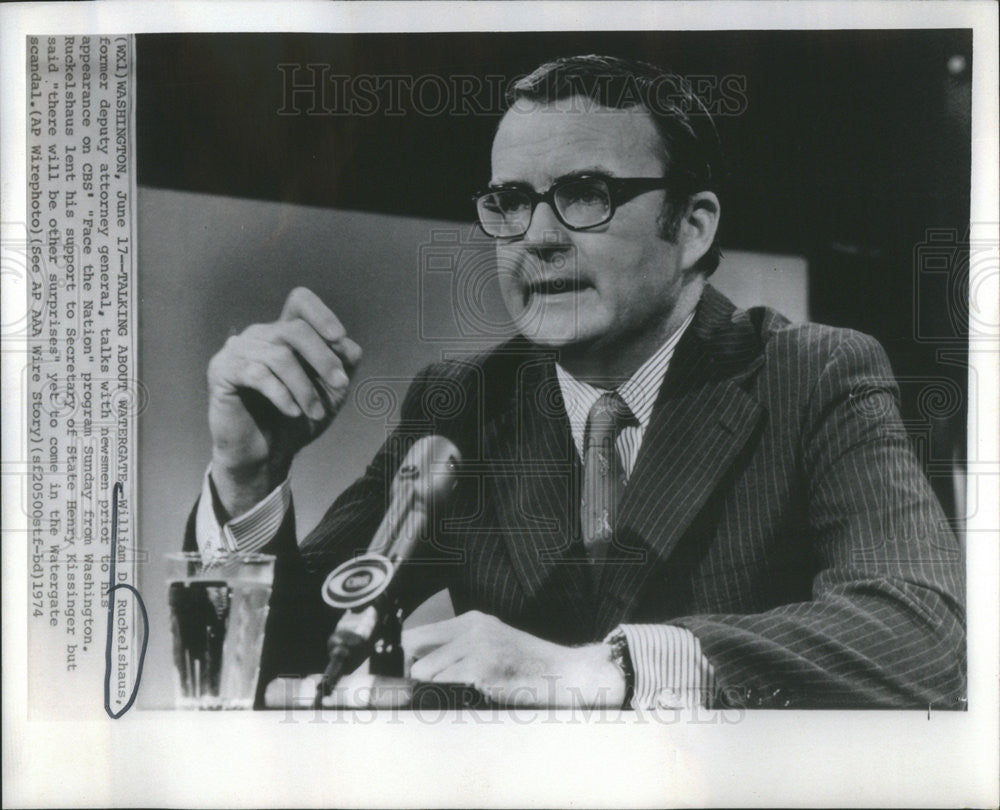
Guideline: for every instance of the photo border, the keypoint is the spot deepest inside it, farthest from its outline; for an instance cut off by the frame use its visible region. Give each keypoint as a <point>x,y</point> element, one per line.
<point>768,758</point>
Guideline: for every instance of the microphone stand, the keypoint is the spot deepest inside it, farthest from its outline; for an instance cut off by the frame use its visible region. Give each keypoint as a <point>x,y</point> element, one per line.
<point>387,651</point>
<point>386,664</point>
<point>373,615</point>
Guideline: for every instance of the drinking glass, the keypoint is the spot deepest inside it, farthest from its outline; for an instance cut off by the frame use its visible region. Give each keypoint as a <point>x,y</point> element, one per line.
<point>218,609</point>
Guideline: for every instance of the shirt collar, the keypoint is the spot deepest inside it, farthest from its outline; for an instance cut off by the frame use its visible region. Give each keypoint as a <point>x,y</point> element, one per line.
<point>639,391</point>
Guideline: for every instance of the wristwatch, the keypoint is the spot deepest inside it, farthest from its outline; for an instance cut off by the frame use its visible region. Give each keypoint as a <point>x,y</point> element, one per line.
<point>620,655</point>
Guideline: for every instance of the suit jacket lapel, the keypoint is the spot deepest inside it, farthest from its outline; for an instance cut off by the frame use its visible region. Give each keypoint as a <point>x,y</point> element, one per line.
<point>535,469</point>
<point>701,421</point>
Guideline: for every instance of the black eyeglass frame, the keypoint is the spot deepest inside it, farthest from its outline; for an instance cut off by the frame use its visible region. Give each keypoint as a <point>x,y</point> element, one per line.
<point>620,190</point>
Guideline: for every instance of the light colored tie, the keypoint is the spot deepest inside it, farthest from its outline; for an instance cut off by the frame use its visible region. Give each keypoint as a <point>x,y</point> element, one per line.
<point>603,474</point>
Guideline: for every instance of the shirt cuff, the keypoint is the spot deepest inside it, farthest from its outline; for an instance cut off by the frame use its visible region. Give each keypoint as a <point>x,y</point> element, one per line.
<point>670,670</point>
<point>247,533</point>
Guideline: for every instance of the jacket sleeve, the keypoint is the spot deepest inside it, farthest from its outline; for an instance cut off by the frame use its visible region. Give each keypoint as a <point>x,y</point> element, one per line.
<point>299,621</point>
<point>885,625</point>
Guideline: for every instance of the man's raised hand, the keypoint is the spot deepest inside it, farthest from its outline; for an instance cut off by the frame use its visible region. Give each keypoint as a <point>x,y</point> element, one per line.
<point>272,389</point>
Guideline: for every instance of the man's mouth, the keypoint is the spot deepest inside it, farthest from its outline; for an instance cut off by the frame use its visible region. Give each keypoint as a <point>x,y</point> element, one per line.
<point>554,286</point>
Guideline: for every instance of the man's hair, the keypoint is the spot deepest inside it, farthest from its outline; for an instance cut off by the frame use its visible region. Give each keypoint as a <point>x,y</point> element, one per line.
<point>692,155</point>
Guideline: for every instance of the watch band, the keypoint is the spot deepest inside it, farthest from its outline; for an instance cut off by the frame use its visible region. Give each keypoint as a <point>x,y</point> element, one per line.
<point>623,659</point>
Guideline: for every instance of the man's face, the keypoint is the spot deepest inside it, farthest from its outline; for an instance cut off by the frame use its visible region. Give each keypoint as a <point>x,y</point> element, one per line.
<point>606,287</point>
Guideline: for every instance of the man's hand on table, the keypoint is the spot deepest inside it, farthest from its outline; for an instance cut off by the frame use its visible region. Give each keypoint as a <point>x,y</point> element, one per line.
<point>512,667</point>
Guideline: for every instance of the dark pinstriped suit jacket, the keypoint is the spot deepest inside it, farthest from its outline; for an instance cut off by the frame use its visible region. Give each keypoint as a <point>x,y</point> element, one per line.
<point>776,510</point>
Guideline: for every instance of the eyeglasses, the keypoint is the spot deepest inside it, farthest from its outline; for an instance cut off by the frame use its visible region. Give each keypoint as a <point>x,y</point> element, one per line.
<point>580,202</point>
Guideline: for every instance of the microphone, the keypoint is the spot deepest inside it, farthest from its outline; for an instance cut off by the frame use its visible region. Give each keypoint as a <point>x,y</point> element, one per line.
<point>359,586</point>
<point>425,478</point>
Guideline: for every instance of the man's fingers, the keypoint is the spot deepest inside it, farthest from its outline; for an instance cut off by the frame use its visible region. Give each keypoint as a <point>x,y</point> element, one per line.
<point>419,641</point>
<point>302,303</point>
<point>349,351</point>
<point>284,365</point>
<point>257,376</point>
<point>310,369</point>
<point>430,664</point>
<point>460,672</point>
<point>298,366</point>
<point>241,364</point>
<point>316,352</point>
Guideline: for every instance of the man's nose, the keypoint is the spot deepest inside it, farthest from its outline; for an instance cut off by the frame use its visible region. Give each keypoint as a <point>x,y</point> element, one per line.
<point>546,235</point>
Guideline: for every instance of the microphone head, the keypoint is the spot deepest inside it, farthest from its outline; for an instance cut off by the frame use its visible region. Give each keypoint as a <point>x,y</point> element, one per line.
<point>424,479</point>
<point>359,582</point>
<point>427,473</point>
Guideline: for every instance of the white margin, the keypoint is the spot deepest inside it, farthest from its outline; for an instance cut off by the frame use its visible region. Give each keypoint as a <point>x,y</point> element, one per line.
<point>768,759</point>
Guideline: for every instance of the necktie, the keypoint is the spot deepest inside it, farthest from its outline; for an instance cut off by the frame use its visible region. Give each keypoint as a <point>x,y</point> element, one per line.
<point>603,474</point>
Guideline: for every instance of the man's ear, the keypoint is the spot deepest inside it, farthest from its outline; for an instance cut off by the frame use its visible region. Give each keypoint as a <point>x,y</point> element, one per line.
<point>697,227</point>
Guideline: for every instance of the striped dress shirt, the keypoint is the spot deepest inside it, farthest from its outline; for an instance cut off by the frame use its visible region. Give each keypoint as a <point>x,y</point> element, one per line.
<point>670,669</point>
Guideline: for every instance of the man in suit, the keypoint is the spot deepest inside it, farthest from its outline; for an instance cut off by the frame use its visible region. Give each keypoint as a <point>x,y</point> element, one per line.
<point>664,500</point>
